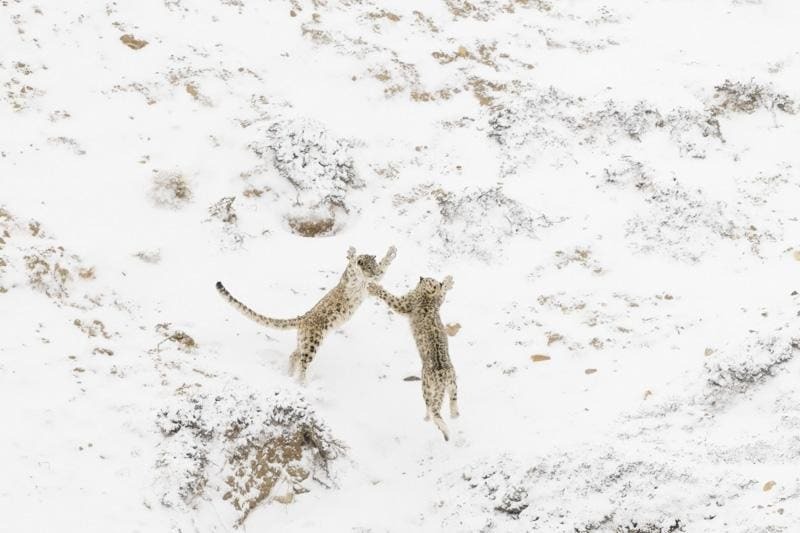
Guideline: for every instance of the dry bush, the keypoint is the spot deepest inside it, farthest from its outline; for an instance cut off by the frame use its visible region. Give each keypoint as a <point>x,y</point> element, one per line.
<point>170,190</point>
<point>506,495</point>
<point>223,210</point>
<point>95,328</point>
<point>453,217</point>
<point>318,165</point>
<point>264,447</point>
<point>749,97</point>
<point>530,121</point>
<point>744,366</point>
<point>183,341</point>
<point>686,222</point>
<point>50,270</point>
<point>311,226</point>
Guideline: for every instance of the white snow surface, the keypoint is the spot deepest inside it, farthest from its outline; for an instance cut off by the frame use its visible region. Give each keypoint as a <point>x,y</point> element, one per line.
<point>612,185</point>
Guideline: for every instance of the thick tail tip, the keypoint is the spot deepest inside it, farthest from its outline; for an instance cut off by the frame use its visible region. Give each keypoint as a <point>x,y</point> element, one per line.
<point>219,286</point>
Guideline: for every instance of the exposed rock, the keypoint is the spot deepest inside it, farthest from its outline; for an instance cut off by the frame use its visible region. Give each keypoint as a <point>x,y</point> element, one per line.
<point>132,42</point>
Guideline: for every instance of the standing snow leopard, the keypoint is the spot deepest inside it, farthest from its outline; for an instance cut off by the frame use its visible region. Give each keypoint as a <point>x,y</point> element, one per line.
<point>438,376</point>
<point>333,310</point>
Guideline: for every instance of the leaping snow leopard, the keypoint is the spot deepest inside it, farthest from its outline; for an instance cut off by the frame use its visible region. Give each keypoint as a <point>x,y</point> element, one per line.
<point>421,305</point>
<point>333,310</point>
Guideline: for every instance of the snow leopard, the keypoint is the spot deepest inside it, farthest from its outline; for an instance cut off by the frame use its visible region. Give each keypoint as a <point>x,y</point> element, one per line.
<point>421,305</point>
<point>333,310</point>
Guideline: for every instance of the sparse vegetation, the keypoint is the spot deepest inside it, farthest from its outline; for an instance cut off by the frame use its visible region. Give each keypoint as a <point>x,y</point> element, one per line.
<point>318,165</point>
<point>311,226</point>
<point>170,190</point>
<point>265,447</point>
<point>744,366</point>
<point>149,256</point>
<point>454,215</point>
<point>223,210</point>
<point>181,339</point>
<point>95,328</point>
<point>748,97</point>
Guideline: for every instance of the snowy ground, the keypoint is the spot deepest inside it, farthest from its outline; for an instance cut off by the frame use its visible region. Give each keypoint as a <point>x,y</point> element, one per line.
<point>612,186</point>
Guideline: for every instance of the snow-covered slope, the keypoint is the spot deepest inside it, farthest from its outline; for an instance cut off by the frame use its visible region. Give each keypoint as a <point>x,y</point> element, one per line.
<point>613,187</point>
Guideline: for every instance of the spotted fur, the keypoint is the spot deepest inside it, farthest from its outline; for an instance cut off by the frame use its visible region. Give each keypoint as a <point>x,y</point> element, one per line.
<point>421,305</point>
<point>333,310</point>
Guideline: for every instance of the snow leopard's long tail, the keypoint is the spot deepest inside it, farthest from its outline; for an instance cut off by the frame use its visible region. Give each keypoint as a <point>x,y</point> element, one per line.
<point>280,323</point>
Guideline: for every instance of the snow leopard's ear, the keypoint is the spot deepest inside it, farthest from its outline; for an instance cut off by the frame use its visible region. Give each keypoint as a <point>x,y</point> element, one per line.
<point>351,253</point>
<point>420,279</point>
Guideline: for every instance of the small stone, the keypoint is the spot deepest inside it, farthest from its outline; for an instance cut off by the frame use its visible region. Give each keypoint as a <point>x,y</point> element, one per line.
<point>411,378</point>
<point>132,42</point>
<point>647,394</point>
<point>553,337</point>
<point>768,485</point>
<point>590,371</point>
<point>539,358</point>
<point>708,351</point>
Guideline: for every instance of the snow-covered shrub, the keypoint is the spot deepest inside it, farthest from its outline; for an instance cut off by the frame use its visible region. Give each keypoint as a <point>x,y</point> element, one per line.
<point>748,97</point>
<point>748,364</point>
<point>51,270</point>
<point>224,212</point>
<point>318,165</point>
<point>47,267</point>
<point>452,219</point>
<point>311,226</point>
<point>531,121</point>
<point>684,222</point>
<point>320,168</point>
<point>264,447</point>
<point>596,490</point>
<point>180,339</point>
<point>170,190</point>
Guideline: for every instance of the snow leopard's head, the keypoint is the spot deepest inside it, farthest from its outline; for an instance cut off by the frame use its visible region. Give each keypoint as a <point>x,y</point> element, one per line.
<point>368,265</point>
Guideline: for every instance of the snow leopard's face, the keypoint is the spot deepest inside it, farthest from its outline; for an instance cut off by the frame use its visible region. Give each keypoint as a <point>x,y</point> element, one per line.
<point>368,265</point>
<point>429,285</point>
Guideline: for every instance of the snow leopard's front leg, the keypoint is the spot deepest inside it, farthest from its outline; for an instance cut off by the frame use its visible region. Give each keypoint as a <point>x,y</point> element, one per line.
<point>386,261</point>
<point>400,305</point>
